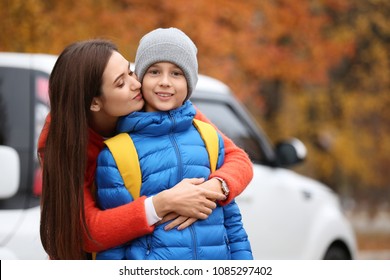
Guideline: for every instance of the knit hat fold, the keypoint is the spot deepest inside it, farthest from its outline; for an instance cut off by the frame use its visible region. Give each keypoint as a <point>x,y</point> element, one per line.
<point>168,45</point>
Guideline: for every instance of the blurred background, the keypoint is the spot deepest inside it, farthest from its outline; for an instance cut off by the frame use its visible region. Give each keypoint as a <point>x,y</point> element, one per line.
<point>318,70</point>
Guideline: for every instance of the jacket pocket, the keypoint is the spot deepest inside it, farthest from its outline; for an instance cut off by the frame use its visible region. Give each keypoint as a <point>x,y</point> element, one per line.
<point>227,243</point>
<point>148,247</point>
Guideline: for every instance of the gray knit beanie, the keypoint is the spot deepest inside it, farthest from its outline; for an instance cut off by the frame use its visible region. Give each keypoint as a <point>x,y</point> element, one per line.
<point>168,45</point>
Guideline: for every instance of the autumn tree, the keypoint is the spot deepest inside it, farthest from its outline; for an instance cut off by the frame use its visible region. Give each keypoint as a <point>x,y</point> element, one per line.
<point>362,86</point>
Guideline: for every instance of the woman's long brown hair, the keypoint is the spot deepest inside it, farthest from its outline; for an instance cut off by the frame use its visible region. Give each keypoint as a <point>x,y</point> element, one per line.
<point>76,78</point>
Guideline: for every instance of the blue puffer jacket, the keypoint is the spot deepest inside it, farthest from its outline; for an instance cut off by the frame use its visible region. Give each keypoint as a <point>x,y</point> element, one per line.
<point>170,149</point>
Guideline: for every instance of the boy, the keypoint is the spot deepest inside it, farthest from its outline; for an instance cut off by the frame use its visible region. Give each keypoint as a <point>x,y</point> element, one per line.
<point>169,149</point>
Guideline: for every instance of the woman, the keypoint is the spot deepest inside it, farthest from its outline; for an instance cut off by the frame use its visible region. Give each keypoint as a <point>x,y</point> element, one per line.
<point>71,223</point>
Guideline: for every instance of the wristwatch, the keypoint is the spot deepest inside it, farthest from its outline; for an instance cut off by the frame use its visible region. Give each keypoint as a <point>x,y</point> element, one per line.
<point>224,186</point>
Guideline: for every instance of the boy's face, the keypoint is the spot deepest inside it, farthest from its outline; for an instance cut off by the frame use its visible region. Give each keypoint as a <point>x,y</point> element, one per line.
<point>164,87</point>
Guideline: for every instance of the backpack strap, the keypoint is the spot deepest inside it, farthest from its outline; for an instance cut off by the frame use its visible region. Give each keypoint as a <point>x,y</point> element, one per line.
<point>210,138</point>
<point>126,158</point>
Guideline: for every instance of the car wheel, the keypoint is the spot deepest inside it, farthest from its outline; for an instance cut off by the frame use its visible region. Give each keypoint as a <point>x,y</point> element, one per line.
<point>337,251</point>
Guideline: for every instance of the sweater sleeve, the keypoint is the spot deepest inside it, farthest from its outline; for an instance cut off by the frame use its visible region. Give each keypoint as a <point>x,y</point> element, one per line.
<point>112,227</point>
<point>237,170</point>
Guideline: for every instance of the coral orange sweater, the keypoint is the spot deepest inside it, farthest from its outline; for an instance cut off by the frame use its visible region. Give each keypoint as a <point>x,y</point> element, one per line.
<point>116,226</point>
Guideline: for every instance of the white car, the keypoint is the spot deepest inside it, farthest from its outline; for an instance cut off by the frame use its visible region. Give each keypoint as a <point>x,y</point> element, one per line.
<point>287,216</point>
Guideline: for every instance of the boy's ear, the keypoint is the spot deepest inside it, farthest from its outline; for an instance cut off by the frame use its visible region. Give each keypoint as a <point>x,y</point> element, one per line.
<point>95,105</point>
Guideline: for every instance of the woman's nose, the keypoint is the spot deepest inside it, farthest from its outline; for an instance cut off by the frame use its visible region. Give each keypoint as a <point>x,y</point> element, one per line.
<point>135,84</point>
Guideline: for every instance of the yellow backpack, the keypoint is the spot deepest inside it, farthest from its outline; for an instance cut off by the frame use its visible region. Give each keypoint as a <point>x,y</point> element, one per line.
<point>125,155</point>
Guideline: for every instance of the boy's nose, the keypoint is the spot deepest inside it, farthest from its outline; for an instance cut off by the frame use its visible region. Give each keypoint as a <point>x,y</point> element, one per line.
<point>165,81</point>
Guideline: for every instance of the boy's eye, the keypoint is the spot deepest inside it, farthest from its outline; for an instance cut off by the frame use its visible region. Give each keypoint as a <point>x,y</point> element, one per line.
<point>177,73</point>
<point>131,73</point>
<point>153,71</point>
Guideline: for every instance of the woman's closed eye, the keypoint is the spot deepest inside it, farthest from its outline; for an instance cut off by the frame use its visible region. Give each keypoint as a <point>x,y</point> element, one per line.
<point>121,82</point>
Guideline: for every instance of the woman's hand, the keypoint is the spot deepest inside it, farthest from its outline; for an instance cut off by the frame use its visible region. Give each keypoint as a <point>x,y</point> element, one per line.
<point>211,189</point>
<point>212,184</point>
<point>181,222</point>
<point>187,199</point>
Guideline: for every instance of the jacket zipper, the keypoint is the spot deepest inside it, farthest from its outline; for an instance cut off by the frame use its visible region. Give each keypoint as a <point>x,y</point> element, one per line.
<point>195,247</point>
<point>175,146</point>
<point>180,177</point>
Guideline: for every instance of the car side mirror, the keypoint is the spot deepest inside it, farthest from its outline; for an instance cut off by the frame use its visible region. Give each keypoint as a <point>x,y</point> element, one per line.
<point>290,152</point>
<point>9,172</point>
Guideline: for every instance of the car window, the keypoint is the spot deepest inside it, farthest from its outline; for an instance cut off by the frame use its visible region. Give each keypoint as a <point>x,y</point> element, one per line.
<point>231,124</point>
<point>3,124</point>
<point>14,91</point>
